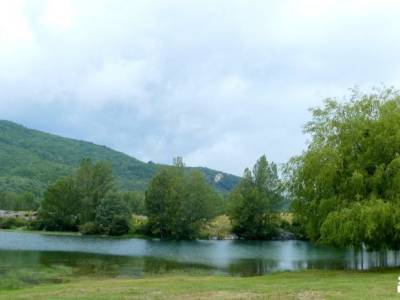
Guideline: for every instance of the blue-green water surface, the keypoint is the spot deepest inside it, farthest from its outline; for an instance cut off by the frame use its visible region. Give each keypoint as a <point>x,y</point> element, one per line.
<point>138,257</point>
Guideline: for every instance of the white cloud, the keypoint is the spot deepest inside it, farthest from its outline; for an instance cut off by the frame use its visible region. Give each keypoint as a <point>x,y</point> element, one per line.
<point>14,28</point>
<point>58,15</point>
<point>120,82</point>
<point>233,86</point>
<point>219,83</point>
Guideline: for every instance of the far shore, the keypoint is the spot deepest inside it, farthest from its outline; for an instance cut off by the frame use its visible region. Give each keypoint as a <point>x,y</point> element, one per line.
<point>125,236</point>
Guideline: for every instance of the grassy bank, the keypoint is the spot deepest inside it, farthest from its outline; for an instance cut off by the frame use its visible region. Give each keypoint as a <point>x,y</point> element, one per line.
<point>287,285</point>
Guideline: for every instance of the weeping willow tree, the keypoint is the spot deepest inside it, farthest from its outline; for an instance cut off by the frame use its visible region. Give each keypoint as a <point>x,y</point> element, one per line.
<point>346,186</point>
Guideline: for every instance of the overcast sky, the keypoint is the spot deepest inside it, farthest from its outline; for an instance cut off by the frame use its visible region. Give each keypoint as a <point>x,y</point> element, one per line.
<point>217,82</point>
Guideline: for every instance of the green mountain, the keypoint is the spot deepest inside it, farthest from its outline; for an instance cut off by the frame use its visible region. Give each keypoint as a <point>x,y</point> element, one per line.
<point>30,160</point>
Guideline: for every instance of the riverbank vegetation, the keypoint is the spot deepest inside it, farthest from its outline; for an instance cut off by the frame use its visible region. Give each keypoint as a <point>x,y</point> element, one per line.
<point>60,283</point>
<point>345,186</point>
<point>19,202</point>
<point>256,203</point>
<point>86,200</point>
<point>177,204</point>
<point>343,190</point>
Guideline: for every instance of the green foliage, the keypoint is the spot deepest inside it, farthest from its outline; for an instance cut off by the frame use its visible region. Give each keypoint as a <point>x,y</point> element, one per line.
<point>61,206</point>
<point>93,181</point>
<point>10,223</point>
<point>351,161</point>
<point>112,215</point>
<point>75,200</point>
<point>139,224</point>
<point>256,202</point>
<point>218,228</point>
<point>119,226</point>
<point>18,202</point>
<point>226,184</point>
<point>178,204</point>
<point>88,228</point>
<point>197,206</point>
<point>161,197</point>
<point>375,223</point>
<point>31,160</point>
<point>135,202</point>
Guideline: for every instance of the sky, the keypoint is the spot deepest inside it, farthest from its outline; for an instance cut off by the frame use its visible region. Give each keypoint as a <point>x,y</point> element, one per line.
<point>217,82</point>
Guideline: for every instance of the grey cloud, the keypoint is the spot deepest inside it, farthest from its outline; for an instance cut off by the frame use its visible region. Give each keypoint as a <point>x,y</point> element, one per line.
<point>219,83</point>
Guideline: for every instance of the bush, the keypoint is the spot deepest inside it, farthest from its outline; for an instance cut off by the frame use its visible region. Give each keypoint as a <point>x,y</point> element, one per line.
<point>8,223</point>
<point>35,224</point>
<point>88,228</point>
<point>135,202</point>
<point>218,228</point>
<point>119,226</point>
<point>285,225</point>
<point>297,229</point>
<point>112,215</point>
<point>139,224</point>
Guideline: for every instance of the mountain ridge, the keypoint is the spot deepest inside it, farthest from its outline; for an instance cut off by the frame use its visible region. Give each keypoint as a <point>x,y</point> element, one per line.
<point>31,159</point>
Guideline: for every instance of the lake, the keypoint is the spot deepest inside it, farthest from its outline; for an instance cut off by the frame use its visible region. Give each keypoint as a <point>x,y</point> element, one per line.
<point>137,257</point>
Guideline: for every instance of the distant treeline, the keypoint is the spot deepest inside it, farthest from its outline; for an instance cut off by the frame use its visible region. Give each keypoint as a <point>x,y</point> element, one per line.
<point>18,202</point>
<point>178,204</point>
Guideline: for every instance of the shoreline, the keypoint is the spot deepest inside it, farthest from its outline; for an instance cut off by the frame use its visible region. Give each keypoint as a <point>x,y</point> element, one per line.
<point>131,235</point>
<point>73,233</point>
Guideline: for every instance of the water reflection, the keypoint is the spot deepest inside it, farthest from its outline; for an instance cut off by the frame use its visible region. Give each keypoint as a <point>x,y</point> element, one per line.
<point>363,260</point>
<point>135,257</point>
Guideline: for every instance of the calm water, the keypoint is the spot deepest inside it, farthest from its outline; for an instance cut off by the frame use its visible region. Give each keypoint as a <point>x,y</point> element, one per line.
<point>136,257</point>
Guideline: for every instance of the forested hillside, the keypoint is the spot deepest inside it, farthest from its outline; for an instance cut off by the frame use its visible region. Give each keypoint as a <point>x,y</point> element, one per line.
<point>30,160</point>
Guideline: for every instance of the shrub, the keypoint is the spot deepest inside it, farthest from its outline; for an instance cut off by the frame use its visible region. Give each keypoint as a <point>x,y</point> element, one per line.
<point>88,228</point>
<point>218,228</point>
<point>8,223</point>
<point>112,215</point>
<point>119,226</point>
<point>139,224</point>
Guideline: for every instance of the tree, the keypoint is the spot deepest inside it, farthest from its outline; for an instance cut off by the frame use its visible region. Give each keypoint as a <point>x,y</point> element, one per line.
<point>198,206</point>
<point>178,162</point>
<point>94,181</point>
<point>60,208</point>
<point>374,223</point>
<point>345,187</point>
<point>178,204</point>
<point>112,215</point>
<point>135,202</point>
<point>256,202</point>
<point>75,201</point>
<point>27,201</point>
<point>8,200</point>
<point>162,200</point>
<point>24,201</point>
